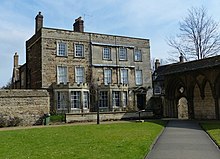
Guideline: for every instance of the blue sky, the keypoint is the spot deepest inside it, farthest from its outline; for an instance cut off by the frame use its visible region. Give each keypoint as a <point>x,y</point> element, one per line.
<point>152,19</point>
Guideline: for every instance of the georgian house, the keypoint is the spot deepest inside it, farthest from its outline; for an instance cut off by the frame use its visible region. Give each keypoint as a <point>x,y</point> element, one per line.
<point>83,70</point>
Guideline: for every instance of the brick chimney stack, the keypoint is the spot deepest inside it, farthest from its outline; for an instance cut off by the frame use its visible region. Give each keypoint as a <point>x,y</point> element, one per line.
<point>78,26</point>
<point>38,22</point>
<point>16,60</point>
<point>157,64</point>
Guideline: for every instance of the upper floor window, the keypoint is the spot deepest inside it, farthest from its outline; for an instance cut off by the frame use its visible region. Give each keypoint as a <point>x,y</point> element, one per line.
<point>107,76</point>
<point>137,55</point>
<point>62,74</point>
<point>79,50</point>
<point>138,77</point>
<point>61,49</point>
<point>106,53</point>
<point>124,76</point>
<point>122,53</point>
<point>79,74</point>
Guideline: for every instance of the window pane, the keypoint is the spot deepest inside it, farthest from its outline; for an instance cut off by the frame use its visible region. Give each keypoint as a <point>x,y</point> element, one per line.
<point>61,101</point>
<point>124,99</point>
<point>122,54</point>
<point>78,50</point>
<point>124,76</point>
<point>85,99</point>
<point>75,99</point>
<point>137,55</point>
<point>116,98</point>
<point>79,74</point>
<point>106,53</point>
<point>62,74</point>
<point>139,77</point>
<point>103,99</point>
<point>107,76</point>
<point>62,49</point>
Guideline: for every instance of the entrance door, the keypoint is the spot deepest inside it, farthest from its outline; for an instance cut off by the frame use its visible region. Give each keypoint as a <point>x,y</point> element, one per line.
<point>183,108</point>
<point>141,101</point>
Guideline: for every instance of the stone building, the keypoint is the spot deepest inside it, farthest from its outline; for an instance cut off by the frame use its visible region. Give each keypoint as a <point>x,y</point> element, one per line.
<point>190,90</point>
<point>81,70</point>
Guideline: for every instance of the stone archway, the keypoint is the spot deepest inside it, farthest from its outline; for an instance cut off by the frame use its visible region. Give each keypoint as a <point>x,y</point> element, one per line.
<point>182,108</point>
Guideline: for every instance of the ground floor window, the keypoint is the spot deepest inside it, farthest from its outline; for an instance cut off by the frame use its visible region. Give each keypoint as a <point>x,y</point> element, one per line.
<point>86,100</point>
<point>75,99</point>
<point>124,99</point>
<point>61,101</point>
<point>116,98</point>
<point>103,99</point>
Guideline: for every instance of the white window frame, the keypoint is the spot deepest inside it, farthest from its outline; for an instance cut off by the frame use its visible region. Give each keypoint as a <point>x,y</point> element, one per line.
<point>124,98</point>
<point>79,50</point>
<point>139,77</point>
<point>107,76</point>
<point>124,76</point>
<point>61,49</point>
<point>62,74</point>
<point>116,98</point>
<point>85,99</point>
<point>79,78</point>
<point>123,54</point>
<point>106,53</point>
<point>61,101</point>
<point>75,99</point>
<point>137,55</point>
<point>103,99</point>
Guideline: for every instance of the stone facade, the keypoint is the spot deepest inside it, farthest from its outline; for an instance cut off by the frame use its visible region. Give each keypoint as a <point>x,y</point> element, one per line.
<point>81,70</point>
<point>190,89</point>
<point>107,116</point>
<point>29,106</point>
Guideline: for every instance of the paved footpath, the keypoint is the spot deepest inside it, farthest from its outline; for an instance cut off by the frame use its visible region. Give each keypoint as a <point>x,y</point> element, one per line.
<point>184,139</point>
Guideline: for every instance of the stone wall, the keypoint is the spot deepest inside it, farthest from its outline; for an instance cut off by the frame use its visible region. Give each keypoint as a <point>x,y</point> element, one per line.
<point>107,116</point>
<point>28,106</point>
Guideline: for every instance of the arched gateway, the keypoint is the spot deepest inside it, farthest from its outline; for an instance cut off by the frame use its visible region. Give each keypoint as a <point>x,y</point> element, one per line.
<point>190,90</point>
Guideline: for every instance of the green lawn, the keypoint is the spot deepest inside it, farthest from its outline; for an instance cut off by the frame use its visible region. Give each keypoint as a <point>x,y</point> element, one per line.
<point>104,141</point>
<point>213,128</point>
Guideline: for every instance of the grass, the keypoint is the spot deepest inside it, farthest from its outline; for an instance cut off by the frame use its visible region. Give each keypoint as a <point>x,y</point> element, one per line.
<point>213,129</point>
<point>108,141</point>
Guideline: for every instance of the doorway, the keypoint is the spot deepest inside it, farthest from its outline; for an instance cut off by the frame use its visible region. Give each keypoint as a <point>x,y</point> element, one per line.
<point>141,101</point>
<point>182,108</point>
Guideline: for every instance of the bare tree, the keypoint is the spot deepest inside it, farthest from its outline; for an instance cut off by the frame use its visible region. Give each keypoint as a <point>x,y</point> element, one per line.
<point>199,37</point>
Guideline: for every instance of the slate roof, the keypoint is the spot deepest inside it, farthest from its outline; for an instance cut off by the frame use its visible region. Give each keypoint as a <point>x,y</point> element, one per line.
<point>188,66</point>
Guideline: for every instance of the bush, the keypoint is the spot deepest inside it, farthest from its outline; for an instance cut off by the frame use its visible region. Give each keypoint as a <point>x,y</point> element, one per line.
<point>57,118</point>
<point>6,121</point>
